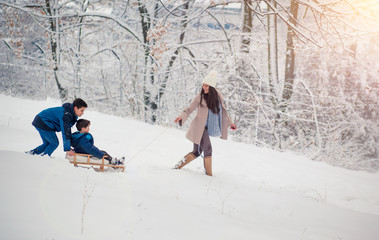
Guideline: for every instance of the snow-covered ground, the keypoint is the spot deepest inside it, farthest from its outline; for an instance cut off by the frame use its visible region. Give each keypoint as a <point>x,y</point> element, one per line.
<point>255,193</point>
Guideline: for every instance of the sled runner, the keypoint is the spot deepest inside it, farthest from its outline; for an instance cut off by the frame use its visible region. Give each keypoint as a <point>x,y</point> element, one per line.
<point>87,159</point>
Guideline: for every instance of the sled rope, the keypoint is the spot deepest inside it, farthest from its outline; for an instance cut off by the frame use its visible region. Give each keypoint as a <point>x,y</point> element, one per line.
<point>147,145</point>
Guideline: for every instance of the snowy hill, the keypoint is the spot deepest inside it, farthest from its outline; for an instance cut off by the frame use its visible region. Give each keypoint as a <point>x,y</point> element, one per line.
<point>255,193</point>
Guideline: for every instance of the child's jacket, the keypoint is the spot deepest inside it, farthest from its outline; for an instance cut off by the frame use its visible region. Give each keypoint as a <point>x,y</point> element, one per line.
<point>84,143</point>
<point>58,119</point>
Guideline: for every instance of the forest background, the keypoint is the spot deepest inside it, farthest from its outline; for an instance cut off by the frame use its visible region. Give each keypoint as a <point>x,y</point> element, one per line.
<point>298,75</point>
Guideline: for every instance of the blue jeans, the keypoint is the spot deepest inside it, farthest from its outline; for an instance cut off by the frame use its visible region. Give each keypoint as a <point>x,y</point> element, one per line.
<point>49,142</point>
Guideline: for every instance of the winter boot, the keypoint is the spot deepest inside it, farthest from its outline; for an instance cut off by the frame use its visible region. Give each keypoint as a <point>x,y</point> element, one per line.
<point>31,152</point>
<point>208,165</point>
<point>116,161</point>
<point>187,159</point>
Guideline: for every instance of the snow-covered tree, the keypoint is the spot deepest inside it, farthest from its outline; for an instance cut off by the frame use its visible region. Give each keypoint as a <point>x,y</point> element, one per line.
<point>297,74</point>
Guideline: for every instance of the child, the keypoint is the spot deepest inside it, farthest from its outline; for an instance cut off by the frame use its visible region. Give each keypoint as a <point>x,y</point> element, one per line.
<point>83,142</point>
<point>57,119</point>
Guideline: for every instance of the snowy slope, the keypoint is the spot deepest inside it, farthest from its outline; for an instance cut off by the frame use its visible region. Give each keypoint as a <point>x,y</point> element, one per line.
<point>255,193</point>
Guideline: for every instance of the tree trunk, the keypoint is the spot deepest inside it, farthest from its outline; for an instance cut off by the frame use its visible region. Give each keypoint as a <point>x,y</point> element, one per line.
<point>54,49</point>
<point>148,72</point>
<point>276,45</point>
<point>290,58</point>
<point>272,63</point>
<point>78,55</point>
<point>247,26</point>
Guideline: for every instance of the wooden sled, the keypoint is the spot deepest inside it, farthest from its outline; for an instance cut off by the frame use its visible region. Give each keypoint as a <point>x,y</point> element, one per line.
<point>87,159</point>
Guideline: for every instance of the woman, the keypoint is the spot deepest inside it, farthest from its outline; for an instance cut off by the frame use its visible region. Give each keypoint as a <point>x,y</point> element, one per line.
<point>211,120</point>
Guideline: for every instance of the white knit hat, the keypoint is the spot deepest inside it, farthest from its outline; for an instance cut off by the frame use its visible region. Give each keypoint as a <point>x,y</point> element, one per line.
<point>211,78</point>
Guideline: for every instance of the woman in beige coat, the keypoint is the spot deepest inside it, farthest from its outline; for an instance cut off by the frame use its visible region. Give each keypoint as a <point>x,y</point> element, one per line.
<point>211,120</point>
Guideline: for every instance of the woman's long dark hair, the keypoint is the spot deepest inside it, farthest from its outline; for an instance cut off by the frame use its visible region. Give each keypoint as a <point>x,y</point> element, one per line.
<point>212,100</point>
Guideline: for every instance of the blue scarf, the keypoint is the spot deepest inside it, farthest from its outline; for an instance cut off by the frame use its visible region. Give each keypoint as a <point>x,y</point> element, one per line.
<point>214,123</point>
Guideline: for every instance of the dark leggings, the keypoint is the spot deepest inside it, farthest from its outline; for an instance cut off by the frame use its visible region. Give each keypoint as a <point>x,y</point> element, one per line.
<point>205,145</point>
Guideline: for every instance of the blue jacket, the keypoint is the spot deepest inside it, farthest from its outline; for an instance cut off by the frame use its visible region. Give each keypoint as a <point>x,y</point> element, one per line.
<point>58,119</point>
<point>84,143</point>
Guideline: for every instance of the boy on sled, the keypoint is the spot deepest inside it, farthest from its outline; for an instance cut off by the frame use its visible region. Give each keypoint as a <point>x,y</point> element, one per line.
<point>83,142</point>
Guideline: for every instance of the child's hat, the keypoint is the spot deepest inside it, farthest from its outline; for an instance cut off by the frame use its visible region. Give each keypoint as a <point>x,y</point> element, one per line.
<point>211,78</point>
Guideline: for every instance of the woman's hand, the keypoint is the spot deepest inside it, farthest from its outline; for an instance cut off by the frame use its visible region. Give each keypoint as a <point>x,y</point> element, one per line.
<point>177,119</point>
<point>233,127</point>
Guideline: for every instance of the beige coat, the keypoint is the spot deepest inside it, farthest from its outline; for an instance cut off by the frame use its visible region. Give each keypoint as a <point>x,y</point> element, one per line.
<point>196,129</point>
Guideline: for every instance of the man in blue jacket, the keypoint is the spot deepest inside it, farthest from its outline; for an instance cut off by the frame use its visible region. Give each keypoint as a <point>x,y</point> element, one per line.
<point>57,119</point>
<point>83,142</point>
